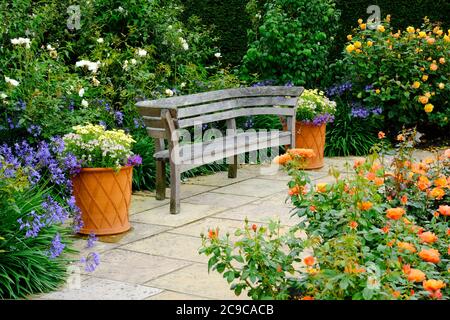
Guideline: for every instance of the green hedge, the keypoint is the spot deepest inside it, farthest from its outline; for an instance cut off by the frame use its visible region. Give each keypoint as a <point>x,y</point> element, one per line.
<point>231,22</point>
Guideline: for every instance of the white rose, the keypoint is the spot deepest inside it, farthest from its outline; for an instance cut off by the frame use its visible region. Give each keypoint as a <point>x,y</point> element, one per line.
<point>169,92</point>
<point>183,84</point>
<point>12,82</point>
<point>95,82</point>
<point>50,48</point>
<point>84,103</point>
<point>125,65</point>
<point>133,61</point>
<point>100,40</point>
<point>142,52</point>
<point>218,55</point>
<point>81,92</point>
<point>3,95</point>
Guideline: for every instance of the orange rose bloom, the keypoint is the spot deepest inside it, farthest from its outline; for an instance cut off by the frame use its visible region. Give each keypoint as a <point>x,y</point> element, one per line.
<point>423,183</point>
<point>423,99</point>
<point>404,199</point>
<point>433,67</point>
<point>307,298</point>
<point>444,210</point>
<point>303,153</point>
<point>440,182</point>
<point>294,191</point>
<point>321,187</point>
<point>430,255</point>
<point>437,193</point>
<point>415,275</point>
<point>213,234</point>
<point>406,269</point>
<point>406,246</point>
<point>312,208</point>
<point>364,206</point>
<point>371,176</point>
<point>396,294</point>
<point>283,159</point>
<point>385,229</point>
<point>395,213</point>
<point>309,261</point>
<point>428,237</point>
<point>378,181</point>
<point>433,285</point>
<point>353,224</point>
<point>381,135</point>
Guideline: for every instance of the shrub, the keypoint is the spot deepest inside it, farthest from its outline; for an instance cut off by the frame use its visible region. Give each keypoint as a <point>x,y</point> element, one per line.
<point>293,42</point>
<point>380,234</point>
<point>404,72</point>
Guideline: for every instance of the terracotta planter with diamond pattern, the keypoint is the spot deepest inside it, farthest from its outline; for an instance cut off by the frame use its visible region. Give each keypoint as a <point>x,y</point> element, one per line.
<point>103,197</point>
<point>309,136</point>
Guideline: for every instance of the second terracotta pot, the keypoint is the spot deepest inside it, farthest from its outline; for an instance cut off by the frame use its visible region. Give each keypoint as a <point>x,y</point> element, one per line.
<point>309,136</point>
<point>103,197</point>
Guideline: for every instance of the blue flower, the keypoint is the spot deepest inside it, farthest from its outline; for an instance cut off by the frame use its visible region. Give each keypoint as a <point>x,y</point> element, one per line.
<point>91,261</point>
<point>134,160</point>
<point>91,240</point>
<point>119,117</point>
<point>56,247</point>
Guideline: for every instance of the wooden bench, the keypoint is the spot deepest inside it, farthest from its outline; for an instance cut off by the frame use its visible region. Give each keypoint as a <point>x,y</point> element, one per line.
<point>164,119</point>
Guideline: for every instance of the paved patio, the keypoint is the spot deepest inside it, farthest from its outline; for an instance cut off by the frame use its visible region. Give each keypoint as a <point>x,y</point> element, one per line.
<point>158,258</point>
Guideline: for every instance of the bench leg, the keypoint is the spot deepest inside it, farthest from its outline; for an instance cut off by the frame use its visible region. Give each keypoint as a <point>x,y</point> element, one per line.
<point>232,168</point>
<point>160,180</point>
<point>175,184</point>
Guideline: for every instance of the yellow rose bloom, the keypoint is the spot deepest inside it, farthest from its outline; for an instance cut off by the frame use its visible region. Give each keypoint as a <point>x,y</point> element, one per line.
<point>410,29</point>
<point>446,38</point>
<point>350,48</point>
<point>428,108</point>
<point>442,60</point>
<point>363,26</point>
<point>349,37</point>
<point>388,18</point>
<point>424,77</point>
<point>416,85</point>
<point>423,99</point>
<point>360,21</point>
<point>422,34</point>
<point>427,94</point>
<point>441,86</point>
<point>369,43</point>
<point>381,28</point>
<point>357,44</point>
<point>378,91</point>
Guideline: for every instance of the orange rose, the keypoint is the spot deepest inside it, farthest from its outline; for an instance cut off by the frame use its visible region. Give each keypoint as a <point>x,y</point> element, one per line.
<point>395,213</point>
<point>312,209</point>
<point>433,285</point>
<point>307,298</point>
<point>385,229</point>
<point>404,199</point>
<point>321,187</point>
<point>440,182</point>
<point>302,153</point>
<point>396,294</point>
<point>406,269</point>
<point>428,237</point>
<point>295,191</point>
<point>437,193</point>
<point>401,137</point>
<point>213,234</point>
<point>433,67</point>
<point>406,246</point>
<point>430,255</point>
<point>442,60</point>
<point>370,176</point>
<point>381,135</point>
<point>423,183</point>
<point>444,210</point>
<point>282,159</point>
<point>309,261</point>
<point>378,181</point>
<point>353,224</point>
<point>364,206</point>
<point>423,99</point>
<point>415,275</point>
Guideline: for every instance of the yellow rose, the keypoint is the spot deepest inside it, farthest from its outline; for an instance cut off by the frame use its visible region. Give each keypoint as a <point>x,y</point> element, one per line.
<point>381,28</point>
<point>378,91</point>
<point>369,43</point>
<point>442,60</point>
<point>416,85</point>
<point>423,99</point>
<point>350,48</point>
<point>441,86</point>
<point>428,108</point>
<point>363,26</point>
<point>388,18</point>
<point>427,94</point>
<point>360,21</point>
<point>424,77</point>
<point>349,37</point>
<point>357,44</point>
<point>410,29</point>
<point>446,38</point>
<point>422,34</point>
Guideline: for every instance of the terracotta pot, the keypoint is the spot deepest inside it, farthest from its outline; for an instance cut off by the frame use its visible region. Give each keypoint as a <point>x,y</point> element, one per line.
<point>309,136</point>
<point>104,197</point>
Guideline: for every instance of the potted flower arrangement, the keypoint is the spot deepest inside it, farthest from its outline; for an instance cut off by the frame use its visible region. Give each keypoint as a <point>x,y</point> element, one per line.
<point>314,111</point>
<point>102,188</point>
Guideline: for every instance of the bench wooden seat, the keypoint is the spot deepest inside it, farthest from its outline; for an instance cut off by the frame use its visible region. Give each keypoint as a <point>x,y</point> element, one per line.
<point>165,118</point>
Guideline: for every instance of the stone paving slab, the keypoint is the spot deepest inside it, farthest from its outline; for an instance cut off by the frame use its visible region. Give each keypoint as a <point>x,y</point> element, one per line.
<point>104,289</point>
<point>170,245</point>
<point>254,187</point>
<point>145,267</point>
<point>220,199</point>
<point>140,203</point>
<point>195,280</point>
<point>189,212</point>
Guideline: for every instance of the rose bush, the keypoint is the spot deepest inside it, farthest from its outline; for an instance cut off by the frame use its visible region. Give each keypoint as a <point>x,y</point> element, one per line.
<point>380,233</point>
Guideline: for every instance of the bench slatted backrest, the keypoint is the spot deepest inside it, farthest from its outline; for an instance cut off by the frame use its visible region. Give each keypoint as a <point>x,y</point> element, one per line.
<point>218,105</point>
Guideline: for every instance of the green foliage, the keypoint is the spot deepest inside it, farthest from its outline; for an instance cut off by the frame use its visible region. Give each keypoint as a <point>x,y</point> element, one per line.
<point>25,264</point>
<point>293,42</point>
<point>229,22</point>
